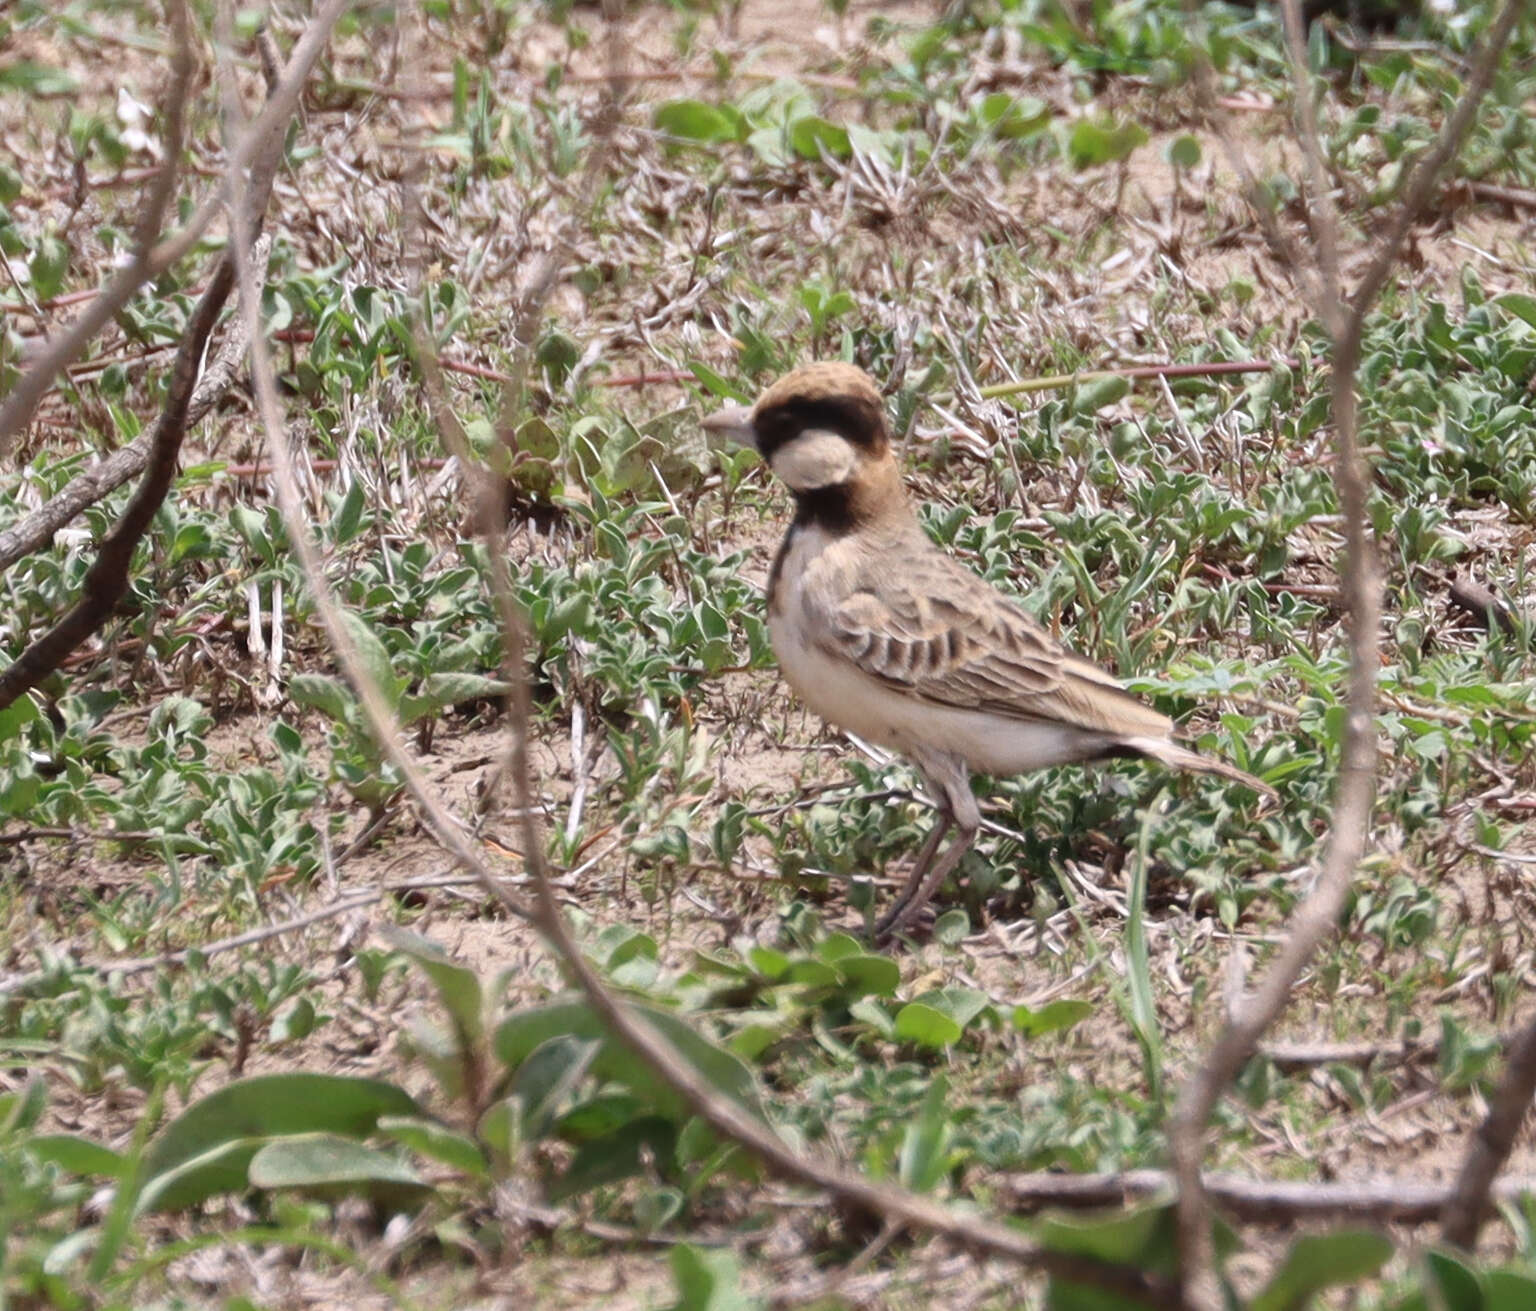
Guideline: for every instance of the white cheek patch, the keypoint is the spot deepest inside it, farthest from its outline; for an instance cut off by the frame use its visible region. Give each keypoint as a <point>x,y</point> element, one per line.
<point>816,458</point>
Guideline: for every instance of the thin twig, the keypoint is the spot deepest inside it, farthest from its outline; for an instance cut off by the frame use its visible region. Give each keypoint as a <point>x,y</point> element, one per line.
<point>108,474</point>
<point>1206,369</point>
<point>1254,1201</point>
<point>19,406</point>
<point>1318,915</point>
<point>1322,211</point>
<point>1491,1145</point>
<point>447,830</point>
<point>892,1204</point>
<point>143,964</point>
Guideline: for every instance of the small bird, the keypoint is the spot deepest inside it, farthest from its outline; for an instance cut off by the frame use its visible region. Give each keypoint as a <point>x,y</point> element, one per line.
<point>884,635</point>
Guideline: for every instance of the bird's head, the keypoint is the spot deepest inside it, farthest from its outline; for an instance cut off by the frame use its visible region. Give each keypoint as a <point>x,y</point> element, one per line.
<point>820,428</point>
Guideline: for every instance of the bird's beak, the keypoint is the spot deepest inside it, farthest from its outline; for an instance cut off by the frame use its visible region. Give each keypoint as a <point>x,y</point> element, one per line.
<point>734,423</point>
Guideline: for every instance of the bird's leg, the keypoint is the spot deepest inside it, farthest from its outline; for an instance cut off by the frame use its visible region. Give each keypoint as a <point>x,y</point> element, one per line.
<point>924,859</point>
<point>950,783</point>
<point>904,913</point>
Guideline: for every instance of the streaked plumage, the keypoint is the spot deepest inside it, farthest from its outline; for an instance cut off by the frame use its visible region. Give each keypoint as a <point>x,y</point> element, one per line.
<point>884,635</point>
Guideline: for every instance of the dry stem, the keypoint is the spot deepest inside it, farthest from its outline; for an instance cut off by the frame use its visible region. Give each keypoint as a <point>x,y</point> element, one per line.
<point>151,261</point>
<point>1319,913</point>
<point>1493,1142</point>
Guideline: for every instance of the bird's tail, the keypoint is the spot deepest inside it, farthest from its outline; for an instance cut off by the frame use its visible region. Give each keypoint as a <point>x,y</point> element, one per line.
<point>1177,757</point>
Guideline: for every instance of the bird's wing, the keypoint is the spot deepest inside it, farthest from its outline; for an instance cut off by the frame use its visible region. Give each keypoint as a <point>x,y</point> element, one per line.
<point>933,629</point>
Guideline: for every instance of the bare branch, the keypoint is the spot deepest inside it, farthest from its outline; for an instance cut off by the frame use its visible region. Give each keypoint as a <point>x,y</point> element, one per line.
<point>1325,225</point>
<point>376,710</point>
<point>107,579</point>
<point>1254,1201</point>
<point>1495,1139</point>
<point>162,187</point>
<point>1319,913</point>
<point>19,406</point>
<point>108,474</point>
<point>1421,185</point>
<point>1466,593</point>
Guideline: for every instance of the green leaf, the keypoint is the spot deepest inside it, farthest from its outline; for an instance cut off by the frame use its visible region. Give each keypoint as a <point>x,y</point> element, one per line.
<point>520,1033</point>
<point>1318,1261</point>
<point>875,1016</point>
<point>1012,117</point>
<point>1095,143</point>
<point>1508,1290</point>
<point>75,1154</point>
<point>1519,304</point>
<point>546,1079</point>
<point>926,1026</point>
<point>812,136</point>
<point>925,1157</point>
<point>331,1166</point>
<point>600,1116</point>
<point>321,692</point>
<point>658,1207</point>
<point>571,616</point>
<point>17,715</point>
<point>500,1130</point>
<point>1090,397</point>
<point>962,1005</point>
<point>37,79</point>
<point>868,974</point>
<point>205,1150</point>
<point>693,120</point>
<point>1143,1235</point>
<point>294,1021</point>
<point>440,692</point>
<point>349,514</point>
<point>952,927</point>
<point>1454,1280</point>
<point>713,383</point>
<point>1184,151</point>
<point>768,961</point>
<point>811,973</point>
<point>767,143</point>
<point>708,1280</point>
<point>428,1138</point>
<point>618,1155</point>
<point>49,264</point>
<point>1053,1017</point>
<point>835,946</point>
<point>374,655</point>
<point>458,987</point>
